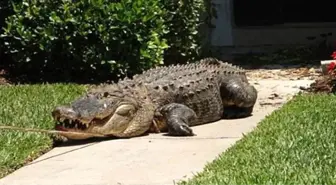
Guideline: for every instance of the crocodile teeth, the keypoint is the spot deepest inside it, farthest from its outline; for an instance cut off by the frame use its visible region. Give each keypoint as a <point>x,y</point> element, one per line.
<point>85,125</point>
<point>82,126</point>
<point>69,123</point>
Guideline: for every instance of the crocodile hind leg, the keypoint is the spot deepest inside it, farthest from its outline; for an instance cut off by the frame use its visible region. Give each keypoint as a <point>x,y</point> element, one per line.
<point>238,97</point>
<point>178,118</point>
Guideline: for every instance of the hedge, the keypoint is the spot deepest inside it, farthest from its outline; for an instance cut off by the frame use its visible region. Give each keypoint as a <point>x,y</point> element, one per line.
<point>67,40</point>
<point>183,20</point>
<point>5,11</point>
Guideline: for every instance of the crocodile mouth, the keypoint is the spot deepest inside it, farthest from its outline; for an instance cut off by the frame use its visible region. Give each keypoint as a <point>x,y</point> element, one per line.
<point>69,118</point>
<point>68,124</point>
<point>101,123</point>
<point>76,129</point>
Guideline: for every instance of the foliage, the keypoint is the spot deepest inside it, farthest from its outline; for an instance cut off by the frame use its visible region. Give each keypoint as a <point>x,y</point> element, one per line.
<point>294,145</point>
<point>66,39</point>
<point>100,39</point>
<point>5,11</point>
<point>183,20</point>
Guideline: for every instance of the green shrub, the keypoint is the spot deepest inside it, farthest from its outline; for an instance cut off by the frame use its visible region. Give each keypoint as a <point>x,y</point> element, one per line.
<point>66,40</point>
<point>183,19</point>
<point>5,11</point>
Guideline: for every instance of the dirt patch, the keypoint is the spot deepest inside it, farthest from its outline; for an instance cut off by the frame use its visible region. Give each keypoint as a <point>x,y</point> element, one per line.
<point>3,78</point>
<point>277,84</point>
<point>275,93</point>
<point>278,72</point>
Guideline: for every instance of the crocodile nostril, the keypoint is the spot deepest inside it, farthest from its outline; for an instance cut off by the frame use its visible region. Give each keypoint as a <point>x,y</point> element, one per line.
<point>62,110</point>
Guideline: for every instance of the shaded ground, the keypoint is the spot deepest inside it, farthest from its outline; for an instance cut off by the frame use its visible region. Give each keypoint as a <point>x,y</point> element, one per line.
<point>4,77</point>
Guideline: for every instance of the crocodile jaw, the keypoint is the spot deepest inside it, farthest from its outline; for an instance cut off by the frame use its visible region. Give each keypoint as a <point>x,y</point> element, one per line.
<point>68,120</point>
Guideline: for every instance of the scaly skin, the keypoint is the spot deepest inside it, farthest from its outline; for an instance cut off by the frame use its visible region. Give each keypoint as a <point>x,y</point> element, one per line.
<point>172,99</point>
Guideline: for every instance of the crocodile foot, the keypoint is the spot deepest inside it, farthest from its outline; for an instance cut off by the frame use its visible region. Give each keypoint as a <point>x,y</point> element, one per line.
<point>178,118</point>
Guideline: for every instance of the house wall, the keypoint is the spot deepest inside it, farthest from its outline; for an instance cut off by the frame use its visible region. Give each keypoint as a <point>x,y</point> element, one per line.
<point>221,34</point>
<point>227,39</point>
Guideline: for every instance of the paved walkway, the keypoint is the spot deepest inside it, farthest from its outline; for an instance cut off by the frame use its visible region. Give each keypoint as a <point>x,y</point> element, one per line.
<point>152,159</point>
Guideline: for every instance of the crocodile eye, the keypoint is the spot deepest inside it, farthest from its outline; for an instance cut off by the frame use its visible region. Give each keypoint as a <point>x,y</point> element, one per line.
<point>125,110</point>
<point>106,94</point>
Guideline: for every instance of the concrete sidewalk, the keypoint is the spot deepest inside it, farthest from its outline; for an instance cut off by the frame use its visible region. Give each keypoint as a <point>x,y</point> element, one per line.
<point>152,159</point>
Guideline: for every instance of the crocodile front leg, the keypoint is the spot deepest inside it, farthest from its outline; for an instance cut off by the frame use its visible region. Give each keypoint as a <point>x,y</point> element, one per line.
<point>178,118</point>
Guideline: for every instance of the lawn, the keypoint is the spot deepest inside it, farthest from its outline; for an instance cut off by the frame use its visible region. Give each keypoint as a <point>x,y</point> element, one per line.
<point>294,145</point>
<point>29,106</point>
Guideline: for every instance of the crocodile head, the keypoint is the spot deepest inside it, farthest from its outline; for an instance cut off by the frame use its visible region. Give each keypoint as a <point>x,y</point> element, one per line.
<point>108,115</point>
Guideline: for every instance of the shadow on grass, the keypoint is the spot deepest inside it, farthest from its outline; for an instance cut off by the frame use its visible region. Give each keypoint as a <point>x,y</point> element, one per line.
<point>17,73</point>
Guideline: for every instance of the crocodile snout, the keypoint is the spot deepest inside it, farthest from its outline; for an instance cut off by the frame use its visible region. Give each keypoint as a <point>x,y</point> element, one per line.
<point>64,112</point>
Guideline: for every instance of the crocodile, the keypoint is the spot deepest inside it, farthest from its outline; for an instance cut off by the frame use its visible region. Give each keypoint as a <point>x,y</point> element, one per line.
<point>168,99</point>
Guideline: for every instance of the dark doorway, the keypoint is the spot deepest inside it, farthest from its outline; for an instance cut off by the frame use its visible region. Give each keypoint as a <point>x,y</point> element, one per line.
<point>272,12</point>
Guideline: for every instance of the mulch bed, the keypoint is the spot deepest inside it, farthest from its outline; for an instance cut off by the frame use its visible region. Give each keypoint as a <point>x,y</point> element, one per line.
<point>325,84</point>
<point>3,78</point>
<point>322,83</point>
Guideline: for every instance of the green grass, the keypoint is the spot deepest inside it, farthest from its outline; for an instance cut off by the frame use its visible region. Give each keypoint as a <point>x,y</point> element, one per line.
<point>294,145</point>
<point>29,106</point>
